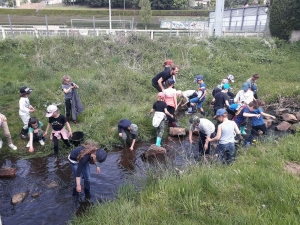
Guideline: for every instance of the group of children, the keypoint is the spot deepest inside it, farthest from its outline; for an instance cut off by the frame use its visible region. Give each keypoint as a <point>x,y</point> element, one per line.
<point>232,111</point>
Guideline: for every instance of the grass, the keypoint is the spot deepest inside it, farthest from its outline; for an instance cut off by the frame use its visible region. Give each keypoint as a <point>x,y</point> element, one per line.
<point>114,75</point>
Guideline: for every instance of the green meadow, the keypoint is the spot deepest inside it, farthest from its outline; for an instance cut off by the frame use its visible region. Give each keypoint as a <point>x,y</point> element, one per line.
<point>114,75</point>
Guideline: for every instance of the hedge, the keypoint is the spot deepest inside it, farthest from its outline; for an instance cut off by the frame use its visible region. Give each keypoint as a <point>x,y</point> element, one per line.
<point>97,12</point>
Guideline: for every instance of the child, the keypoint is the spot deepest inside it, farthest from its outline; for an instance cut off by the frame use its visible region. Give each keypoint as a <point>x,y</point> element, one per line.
<point>257,123</point>
<point>221,98</point>
<point>201,93</point>
<point>187,96</point>
<point>35,133</point>
<point>160,108</point>
<point>4,126</point>
<point>67,87</point>
<point>126,125</point>
<point>59,131</point>
<point>252,83</point>
<point>225,135</point>
<point>240,118</point>
<point>25,109</point>
<point>80,159</point>
<point>171,101</point>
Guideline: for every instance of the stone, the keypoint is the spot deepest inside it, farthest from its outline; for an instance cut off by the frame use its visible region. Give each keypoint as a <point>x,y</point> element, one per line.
<point>36,194</point>
<point>295,127</point>
<point>7,172</point>
<point>283,126</point>
<point>18,198</point>
<point>297,114</point>
<point>268,122</point>
<point>53,184</point>
<point>155,150</point>
<point>282,111</point>
<point>177,131</point>
<point>289,117</point>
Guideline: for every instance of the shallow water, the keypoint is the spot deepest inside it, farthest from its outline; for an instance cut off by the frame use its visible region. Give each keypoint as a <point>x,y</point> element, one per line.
<point>56,205</point>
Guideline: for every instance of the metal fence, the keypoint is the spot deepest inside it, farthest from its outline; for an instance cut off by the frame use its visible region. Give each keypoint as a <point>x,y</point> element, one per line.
<point>240,20</point>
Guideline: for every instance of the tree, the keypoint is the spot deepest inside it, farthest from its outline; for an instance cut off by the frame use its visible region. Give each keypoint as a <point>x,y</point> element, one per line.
<point>162,4</point>
<point>180,3</point>
<point>145,12</point>
<point>284,17</point>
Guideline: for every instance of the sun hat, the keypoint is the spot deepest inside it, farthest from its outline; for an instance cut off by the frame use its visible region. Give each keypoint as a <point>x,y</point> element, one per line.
<point>161,95</point>
<point>224,81</point>
<point>198,77</point>
<point>25,90</point>
<point>221,112</point>
<point>230,77</point>
<point>226,86</point>
<point>134,128</point>
<point>194,120</point>
<point>171,81</point>
<point>50,110</point>
<point>101,155</point>
<point>245,86</point>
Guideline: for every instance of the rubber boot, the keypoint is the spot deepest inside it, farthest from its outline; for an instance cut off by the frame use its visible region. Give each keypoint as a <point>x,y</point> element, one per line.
<point>242,130</point>
<point>194,110</point>
<point>87,193</point>
<point>174,124</point>
<point>24,133</point>
<point>158,141</point>
<point>203,113</point>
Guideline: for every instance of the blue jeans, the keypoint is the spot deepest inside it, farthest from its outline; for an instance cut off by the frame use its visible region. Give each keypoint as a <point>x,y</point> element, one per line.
<point>196,100</point>
<point>226,153</point>
<point>86,173</point>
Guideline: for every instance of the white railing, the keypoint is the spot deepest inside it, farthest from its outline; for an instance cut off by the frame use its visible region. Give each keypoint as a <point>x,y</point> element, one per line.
<point>39,31</point>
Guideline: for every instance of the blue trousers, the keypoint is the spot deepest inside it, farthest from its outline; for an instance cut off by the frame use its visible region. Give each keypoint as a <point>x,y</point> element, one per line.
<point>86,175</point>
<point>226,153</point>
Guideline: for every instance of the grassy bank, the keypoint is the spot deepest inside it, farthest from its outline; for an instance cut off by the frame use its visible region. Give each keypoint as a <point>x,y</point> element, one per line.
<point>114,75</point>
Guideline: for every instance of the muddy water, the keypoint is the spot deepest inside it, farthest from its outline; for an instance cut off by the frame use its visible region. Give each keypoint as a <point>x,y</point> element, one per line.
<point>56,205</point>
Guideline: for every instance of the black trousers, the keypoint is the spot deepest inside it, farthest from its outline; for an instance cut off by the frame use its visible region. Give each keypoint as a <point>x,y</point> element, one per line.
<point>55,143</point>
<point>254,132</point>
<point>171,110</point>
<point>68,107</point>
<point>202,139</point>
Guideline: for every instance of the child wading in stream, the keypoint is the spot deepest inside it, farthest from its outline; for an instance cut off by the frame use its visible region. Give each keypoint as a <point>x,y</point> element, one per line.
<point>160,108</point>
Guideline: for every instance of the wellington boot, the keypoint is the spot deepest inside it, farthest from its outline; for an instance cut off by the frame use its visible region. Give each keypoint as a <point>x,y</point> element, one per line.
<point>242,130</point>
<point>158,141</point>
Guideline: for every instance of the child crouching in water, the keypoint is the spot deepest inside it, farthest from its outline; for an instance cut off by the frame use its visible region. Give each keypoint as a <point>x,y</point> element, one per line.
<point>58,122</point>
<point>160,108</point>
<point>35,133</point>
<point>257,122</point>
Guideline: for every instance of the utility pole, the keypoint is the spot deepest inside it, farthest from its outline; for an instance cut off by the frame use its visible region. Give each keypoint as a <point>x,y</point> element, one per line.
<point>218,25</point>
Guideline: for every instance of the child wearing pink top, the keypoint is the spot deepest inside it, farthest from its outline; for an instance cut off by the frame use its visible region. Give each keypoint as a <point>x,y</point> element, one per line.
<point>171,101</point>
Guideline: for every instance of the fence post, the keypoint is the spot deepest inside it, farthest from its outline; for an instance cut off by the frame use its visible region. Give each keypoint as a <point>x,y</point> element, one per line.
<point>258,34</point>
<point>230,17</point>
<point>94,25</point>
<point>3,33</point>
<point>235,27</point>
<point>243,17</point>
<point>12,32</point>
<point>151,35</point>
<point>47,25</point>
<point>256,19</point>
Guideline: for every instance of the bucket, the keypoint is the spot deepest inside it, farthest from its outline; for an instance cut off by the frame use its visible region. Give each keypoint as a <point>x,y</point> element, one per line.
<point>77,138</point>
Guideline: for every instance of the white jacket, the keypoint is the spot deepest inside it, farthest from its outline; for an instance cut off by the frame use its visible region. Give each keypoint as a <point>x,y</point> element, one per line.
<point>157,118</point>
<point>24,106</point>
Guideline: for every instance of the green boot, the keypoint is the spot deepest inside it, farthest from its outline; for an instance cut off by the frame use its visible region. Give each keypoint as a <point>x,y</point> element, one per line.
<point>242,130</point>
<point>158,141</point>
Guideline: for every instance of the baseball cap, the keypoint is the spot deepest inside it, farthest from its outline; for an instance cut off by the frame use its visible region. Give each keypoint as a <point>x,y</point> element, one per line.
<point>50,110</point>
<point>25,90</point>
<point>161,95</point>
<point>245,86</point>
<point>230,77</point>
<point>168,62</point>
<point>221,112</point>
<point>226,86</point>
<point>134,128</point>
<point>194,120</point>
<point>224,81</point>
<point>171,81</point>
<point>101,155</point>
<point>198,77</point>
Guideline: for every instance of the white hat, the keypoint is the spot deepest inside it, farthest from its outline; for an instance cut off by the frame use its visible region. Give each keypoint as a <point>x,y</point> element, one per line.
<point>50,110</point>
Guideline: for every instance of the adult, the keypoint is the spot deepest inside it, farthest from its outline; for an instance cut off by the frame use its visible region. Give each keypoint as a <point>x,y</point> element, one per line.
<point>221,98</point>
<point>244,96</point>
<point>168,64</point>
<point>206,129</point>
<point>163,76</point>
<point>127,126</point>
<point>80,159</point>
<point>252,83</point>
